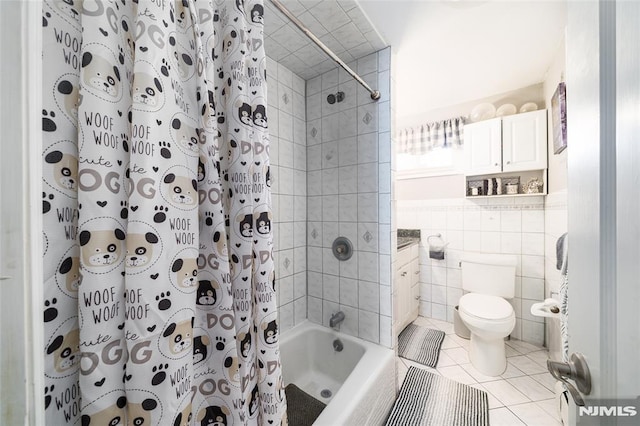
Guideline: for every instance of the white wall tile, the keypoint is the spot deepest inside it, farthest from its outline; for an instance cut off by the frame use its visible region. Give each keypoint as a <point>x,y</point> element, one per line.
<point>330,231</point>
<point>314,206</point>
<point>439,294</point>
<point>511,242</point>
<point>331,288</point>
<point>350,324</point>
<point>330,208</point>
<point>490,220</point>
<point>330,265</point>
<point>367,148</point>
<point>490,242</point>
<point>300,310</point>
<point>349,268</point>
<point>348,151</point>
<point>472,220</point>
<point>349,292</point>
<point>438,311</point>
<point>314,309</point>
<point>368,266</point>
<point>329,154</point>
<point>472,240</point>
<point>369,296</point>
<point>532,221</point>
<point>300,285</point>
<point>367,177</point>
<point>369,326</point>
<point>368,207</point>
<point>347,125</point>
<point>348,180</point>
<point>533,243</point>
<point>314,259</point>
<point>533,288</point>
<point>533,266</point>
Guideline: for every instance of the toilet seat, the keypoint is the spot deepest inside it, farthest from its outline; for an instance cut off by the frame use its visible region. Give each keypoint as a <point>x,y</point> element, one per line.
<point>485,307</point>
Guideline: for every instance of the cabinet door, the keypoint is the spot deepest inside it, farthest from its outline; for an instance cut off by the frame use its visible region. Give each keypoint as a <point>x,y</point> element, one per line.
<point>524,141</point>
<point>482,150</point>
<point>404,295</point>
<point>414,301</point>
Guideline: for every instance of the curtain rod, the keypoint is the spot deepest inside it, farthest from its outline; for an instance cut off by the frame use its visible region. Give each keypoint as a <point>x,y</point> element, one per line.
<point>375,95</point>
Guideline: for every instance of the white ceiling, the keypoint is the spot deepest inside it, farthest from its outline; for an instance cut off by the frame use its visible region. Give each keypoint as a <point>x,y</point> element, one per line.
<point>340,25</point>
<point>450,52</point>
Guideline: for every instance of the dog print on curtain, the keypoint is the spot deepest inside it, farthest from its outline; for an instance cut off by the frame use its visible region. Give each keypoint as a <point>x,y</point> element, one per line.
<point>159,281</point>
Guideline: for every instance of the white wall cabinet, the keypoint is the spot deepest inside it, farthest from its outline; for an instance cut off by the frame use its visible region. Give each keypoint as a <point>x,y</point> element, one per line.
<point>508,144</point>
<point>483,147</point>
<point>407,294</point>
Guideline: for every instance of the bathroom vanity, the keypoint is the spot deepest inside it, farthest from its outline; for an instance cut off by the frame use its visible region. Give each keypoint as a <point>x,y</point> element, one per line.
<point>406,296</point>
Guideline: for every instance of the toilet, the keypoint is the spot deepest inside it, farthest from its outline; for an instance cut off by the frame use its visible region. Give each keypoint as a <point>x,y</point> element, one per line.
<point>489,279</point>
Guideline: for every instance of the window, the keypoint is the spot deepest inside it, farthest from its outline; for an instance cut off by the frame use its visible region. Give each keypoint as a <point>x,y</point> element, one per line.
<point>437,162</point>
<point>432,149</point>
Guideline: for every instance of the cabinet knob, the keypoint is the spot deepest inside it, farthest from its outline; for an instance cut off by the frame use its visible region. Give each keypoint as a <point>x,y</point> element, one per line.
<point>404,274</point>
<point>508,162</point>
<point>496,164</point>
<point>417,297</point>
<point>417,272</point>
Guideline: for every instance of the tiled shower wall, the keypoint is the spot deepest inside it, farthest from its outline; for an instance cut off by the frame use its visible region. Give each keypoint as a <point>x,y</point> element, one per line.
<point>349,194</point>
<point>288,153</point>
<point>508,225</point>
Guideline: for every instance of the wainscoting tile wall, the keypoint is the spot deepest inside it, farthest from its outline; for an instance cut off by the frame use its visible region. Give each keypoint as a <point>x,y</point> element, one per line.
<point>509,225</point>
<point>288,152</point>
<point>349,194</point>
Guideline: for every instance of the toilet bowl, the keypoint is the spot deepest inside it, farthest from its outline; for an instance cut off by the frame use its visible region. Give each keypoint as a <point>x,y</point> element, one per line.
<point>489,280</point>
<point>490,319</point>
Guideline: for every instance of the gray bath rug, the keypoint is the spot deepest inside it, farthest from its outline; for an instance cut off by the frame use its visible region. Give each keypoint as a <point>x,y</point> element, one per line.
<point>420,344</point>
<point>427,399</point>
<point>302,408</point>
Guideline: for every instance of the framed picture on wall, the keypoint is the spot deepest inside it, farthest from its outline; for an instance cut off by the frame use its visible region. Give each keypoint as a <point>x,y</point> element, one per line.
<point>559,118</point>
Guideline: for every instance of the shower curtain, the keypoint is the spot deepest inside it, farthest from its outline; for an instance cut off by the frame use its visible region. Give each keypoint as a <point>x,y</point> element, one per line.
<point>159,303</point>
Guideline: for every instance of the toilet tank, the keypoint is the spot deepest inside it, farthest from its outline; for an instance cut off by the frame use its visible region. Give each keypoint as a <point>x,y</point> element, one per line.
<point>493,274</point>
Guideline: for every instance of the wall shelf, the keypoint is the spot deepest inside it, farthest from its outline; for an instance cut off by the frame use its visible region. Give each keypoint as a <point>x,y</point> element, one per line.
<point>540,194</point>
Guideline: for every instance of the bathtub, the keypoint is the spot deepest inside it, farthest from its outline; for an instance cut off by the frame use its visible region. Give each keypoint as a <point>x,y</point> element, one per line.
<point>361,377</point>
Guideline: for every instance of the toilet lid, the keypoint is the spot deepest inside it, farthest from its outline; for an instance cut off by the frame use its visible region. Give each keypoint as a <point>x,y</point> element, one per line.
<point>485,306</point>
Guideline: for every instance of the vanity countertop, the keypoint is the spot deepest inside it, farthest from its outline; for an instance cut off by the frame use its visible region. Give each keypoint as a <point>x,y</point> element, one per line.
<point>407,237</point>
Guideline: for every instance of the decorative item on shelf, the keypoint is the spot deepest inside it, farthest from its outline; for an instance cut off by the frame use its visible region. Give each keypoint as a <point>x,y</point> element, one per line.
<point>483,111</point>
<point>506,109</point>
<point>528,107</point>
<point>559,118</point>
<point>533,186</point>
<point>476,187</point>
<point>511,185</point>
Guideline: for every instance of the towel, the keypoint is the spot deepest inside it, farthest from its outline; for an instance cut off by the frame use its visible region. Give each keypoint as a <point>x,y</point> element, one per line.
<point>561,253</point>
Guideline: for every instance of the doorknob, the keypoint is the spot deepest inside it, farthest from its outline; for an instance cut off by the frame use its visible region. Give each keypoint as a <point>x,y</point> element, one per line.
<point>578,371</point>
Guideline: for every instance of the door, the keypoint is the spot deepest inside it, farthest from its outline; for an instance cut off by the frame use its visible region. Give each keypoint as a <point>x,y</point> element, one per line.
<point>21,302</point>
<point>603,113</point>
<point>524,141</point>
<point>482,147</point>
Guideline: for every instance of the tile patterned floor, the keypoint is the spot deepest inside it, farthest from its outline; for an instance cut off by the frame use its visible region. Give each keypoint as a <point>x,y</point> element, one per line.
<point>522,396</point>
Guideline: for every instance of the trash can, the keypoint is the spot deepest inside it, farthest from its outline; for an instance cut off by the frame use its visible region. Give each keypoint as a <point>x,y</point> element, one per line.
<point>458,326</point>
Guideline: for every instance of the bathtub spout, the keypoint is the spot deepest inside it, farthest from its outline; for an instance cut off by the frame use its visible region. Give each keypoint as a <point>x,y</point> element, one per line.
<point>336,319</point>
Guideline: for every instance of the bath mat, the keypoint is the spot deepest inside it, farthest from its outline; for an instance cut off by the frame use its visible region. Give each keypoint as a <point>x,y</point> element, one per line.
<point>427,399</point>
<point>420,344</point>
<point>302,408</point>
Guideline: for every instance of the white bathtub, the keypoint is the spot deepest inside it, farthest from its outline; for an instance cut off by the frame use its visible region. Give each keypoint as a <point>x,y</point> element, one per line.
<point>361,377</point>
